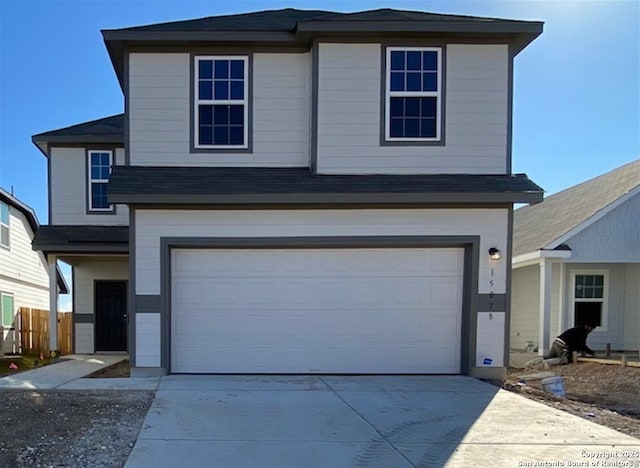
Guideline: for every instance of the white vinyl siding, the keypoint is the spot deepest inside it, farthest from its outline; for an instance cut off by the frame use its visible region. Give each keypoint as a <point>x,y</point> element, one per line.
<point>151,225</point>
<point>316,310</point>
<point>23,274</point>
<point>631,308</point>
<point>475,117</point>
<point>612,238</point>
<point>22,264</point>
<point>85,273</point>
<point>160,112</point>
<point>525,297</point>
<point>69,190</point>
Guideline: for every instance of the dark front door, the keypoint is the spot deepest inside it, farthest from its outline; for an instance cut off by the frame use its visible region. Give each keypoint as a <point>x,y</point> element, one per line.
<point>111,315</point>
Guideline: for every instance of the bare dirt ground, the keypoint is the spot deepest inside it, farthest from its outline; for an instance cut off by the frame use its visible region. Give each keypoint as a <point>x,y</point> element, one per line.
<point>606,394</point>
<point>70,428</point>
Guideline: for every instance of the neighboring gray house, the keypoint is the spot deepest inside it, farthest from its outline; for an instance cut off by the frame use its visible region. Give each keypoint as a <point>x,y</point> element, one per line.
<point>296,191</point>
<point>24,273</point>
<point>576,259</point>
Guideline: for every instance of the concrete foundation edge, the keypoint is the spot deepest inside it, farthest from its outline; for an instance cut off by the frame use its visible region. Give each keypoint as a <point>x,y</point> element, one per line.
<point>141,372</point>
<point>497,373</point>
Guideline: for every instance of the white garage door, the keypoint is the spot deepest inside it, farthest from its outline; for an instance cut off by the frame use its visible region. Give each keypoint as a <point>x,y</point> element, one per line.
<point>316,310</point>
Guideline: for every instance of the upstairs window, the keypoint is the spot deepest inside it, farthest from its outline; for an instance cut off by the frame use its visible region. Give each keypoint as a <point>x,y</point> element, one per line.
<point>5,225</point>
<point>100,163</point>
<point>221,107</point>
<point>413,95</point>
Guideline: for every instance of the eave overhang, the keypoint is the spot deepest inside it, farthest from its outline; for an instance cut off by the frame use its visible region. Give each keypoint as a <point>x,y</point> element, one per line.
<point>82,239</point>
<point>136,185</point>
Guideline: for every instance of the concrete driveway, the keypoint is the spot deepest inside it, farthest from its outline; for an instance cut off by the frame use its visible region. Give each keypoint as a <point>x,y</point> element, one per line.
<point>335,421</point>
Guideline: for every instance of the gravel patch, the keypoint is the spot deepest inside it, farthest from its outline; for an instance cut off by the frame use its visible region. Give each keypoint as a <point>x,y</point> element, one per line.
<point>52,428</point>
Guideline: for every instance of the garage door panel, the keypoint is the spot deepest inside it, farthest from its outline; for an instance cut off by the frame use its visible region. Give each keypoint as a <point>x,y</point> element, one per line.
<point>321,310</point>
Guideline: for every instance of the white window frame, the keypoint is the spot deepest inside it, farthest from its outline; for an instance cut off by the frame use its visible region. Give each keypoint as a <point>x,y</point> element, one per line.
<point>604,326</point>
<point>389,94</point>
<point>212,102</point>
<point>8,226</point>
<point>91,181</point>
<point>2,296</point>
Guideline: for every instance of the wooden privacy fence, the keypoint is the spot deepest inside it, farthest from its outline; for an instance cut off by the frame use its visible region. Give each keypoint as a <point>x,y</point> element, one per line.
<point>33,326</point>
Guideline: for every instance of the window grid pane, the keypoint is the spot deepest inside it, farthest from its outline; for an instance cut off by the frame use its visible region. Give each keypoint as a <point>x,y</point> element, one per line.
<point>99,195</point>
<point>589,287</point>
<point>222,124</point>
<point>413,94</point>
<point>413,117</point>
<point>4,214</point>
<point>7,305</point>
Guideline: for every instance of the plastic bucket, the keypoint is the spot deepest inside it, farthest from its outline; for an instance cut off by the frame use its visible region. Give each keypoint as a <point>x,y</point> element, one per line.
<point>554,385</point>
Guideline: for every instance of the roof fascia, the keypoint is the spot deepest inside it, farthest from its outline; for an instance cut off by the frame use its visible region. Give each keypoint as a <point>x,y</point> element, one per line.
<point>524,27</point>
<point>63,287</point>
<point>592,219</point>
<point>536,257</point>
<point>27,211</point>
<point>326,198</point>
<point>88,248</point>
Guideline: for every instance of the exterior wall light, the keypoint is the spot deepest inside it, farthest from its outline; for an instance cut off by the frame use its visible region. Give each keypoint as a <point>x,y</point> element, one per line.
<point>495,254</point>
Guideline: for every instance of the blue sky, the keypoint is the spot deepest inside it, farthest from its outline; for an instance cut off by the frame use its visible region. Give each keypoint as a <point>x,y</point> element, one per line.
<point>576,98</point>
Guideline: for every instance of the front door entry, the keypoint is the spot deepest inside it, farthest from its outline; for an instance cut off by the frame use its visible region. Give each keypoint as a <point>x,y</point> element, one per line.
<point>111,315</point>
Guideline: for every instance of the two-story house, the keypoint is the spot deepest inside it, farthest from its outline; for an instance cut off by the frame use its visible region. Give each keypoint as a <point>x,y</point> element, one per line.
<point>296,192</point>
<point>24,273</point>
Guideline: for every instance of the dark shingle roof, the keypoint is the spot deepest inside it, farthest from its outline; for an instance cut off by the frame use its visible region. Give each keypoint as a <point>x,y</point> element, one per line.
<point>105,130</point>
<point>289,18</point>
<point>538,226</point>
<point>270,20</point>
<point>82,239</point>
<point>297,28</point>
<point>236,185</point>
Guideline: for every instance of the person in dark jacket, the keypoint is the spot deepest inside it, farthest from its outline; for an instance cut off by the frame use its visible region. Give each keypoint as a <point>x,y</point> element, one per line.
<point>573,339</point>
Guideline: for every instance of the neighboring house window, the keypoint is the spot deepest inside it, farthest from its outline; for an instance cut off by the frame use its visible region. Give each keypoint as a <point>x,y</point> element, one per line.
<point>6,304</point>
<point>5,225</point>
<point>413,94</point>
<point>221,102</point>
<point>589,299</point>
<point>100,163</point>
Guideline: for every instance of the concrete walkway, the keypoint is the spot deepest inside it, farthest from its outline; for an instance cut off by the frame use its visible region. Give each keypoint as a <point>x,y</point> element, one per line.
<point>69,372</point>
<point>336,421</point>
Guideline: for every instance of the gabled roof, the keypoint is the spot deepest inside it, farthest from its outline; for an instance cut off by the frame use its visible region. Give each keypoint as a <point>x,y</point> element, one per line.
<point>32,219</point>
<point>544,225</point>
<point>297,28</point>
<point>105,130</point>
<point>299,186</point>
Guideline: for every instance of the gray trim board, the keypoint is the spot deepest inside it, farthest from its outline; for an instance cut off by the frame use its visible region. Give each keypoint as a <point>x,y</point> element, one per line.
<point>133,310</point>
<point>49,201</point>
<point>507,299</point>
<point>383,92</point>
<point>74,308</point>
<point>509,162</point>
<point>470,275</point>
<point>147,303</point>
<point>193,110</point>
<point>127,108</point>
<point>315,79</point>
<point>491,302</point>
<point>85,318</point>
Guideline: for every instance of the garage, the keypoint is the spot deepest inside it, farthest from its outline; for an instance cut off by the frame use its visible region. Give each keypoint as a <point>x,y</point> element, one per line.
<point>319,310</point>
